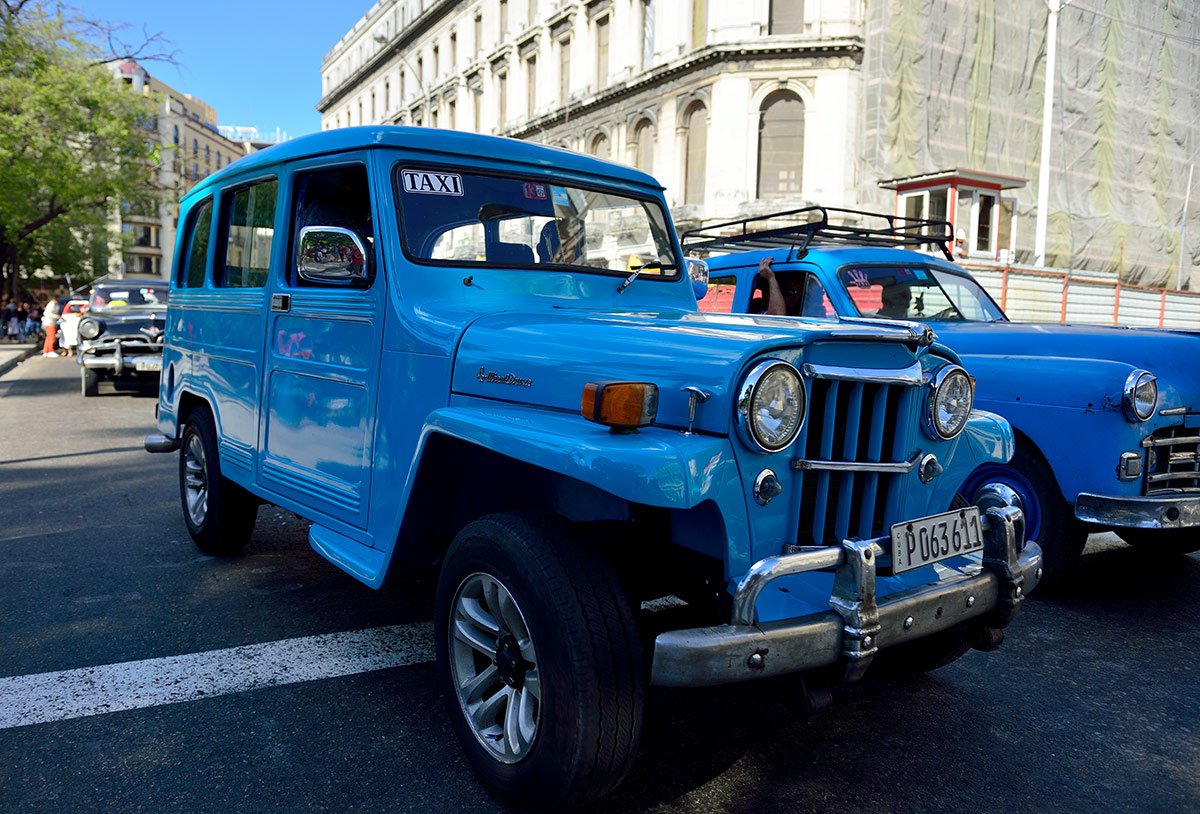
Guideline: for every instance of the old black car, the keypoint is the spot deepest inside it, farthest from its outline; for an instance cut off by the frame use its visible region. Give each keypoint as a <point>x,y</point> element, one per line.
<point>121,338</point>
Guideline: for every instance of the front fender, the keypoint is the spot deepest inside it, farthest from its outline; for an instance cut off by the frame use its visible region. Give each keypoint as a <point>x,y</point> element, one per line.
<point>1048,381</point>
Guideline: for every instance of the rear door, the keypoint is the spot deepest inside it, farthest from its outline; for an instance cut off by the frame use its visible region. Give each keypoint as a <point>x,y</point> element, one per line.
<point>321,365</point>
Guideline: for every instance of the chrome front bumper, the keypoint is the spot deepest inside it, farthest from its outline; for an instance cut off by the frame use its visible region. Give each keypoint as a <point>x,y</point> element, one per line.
<point>1150,512</point>
<point>857,626</point>
<point>118,361</point>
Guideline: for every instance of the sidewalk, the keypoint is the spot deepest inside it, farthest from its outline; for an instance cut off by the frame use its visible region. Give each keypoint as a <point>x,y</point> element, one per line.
<point>12,354</point>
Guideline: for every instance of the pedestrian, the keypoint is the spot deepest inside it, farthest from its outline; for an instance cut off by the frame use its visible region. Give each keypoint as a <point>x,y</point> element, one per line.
<point>12,325</point>
<point>50,326</point>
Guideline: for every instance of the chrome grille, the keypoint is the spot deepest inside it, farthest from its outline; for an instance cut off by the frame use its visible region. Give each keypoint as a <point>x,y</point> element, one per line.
<point>1172,460</point>
<point>859,422</point>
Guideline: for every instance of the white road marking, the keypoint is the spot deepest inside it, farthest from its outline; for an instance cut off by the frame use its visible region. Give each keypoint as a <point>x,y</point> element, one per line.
<point>59,696</point>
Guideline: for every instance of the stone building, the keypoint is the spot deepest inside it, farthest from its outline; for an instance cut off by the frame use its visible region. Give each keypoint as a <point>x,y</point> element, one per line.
<point>743,108</point>
<point>191,149</point>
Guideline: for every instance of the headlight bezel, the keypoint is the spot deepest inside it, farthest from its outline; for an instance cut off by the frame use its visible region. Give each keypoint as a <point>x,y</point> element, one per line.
<point>930,423</point>
<point>1129,402</point>
<point>88,322</point>
<point>750,386</point>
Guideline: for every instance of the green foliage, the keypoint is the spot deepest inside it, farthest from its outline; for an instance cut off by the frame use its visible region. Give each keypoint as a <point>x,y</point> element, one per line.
<point>74,143</point>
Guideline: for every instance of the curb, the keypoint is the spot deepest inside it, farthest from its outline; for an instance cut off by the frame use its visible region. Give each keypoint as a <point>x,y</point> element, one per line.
<point>11,363</point>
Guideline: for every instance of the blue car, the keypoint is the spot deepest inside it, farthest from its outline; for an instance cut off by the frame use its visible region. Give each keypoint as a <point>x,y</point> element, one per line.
<point>1107,420</point>
<point>485,356</point>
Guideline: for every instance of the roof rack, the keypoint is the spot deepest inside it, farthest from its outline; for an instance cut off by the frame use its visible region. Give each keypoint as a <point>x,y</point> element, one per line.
<point>814,227</point>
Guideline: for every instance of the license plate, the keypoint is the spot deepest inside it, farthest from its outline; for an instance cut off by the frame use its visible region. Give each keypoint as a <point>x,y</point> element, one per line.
<point>147,365</point>
<point>935,538</point>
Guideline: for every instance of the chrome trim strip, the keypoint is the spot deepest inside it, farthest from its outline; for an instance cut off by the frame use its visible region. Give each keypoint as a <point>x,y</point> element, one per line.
<point>898,468</point>
<point>1149,512</point>
<point>1149,442</point>
<point>912,375</point>
<point>1173,411</point>
<point>918,332</point>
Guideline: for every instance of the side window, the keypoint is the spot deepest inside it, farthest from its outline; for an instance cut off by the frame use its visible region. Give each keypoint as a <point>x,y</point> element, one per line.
<point>719,299</point>
<point>249,227</point>
<point>339,197</point>
<point>197,256</point>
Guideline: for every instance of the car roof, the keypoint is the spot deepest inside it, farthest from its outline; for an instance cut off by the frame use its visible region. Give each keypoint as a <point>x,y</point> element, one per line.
<point>426,139</point>
<point>835,256</point>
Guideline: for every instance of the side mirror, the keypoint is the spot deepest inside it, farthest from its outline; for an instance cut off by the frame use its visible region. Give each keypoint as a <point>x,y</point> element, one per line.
<point>331,255</point>
<point>698,273</point>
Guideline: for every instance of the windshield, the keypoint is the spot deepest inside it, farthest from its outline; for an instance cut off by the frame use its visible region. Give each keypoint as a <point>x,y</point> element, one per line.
<point>127,296</point>
<point>461,219</point>
<point>915,292</point>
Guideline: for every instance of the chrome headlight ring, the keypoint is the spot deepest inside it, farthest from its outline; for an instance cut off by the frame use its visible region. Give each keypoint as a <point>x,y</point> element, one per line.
<point>1139,398</point>
<point>90,328</point>
<point>950,386</point>
<point>756,433</point>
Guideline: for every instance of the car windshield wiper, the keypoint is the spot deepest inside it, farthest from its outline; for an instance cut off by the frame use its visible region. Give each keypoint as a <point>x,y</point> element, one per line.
<point>658,264</point>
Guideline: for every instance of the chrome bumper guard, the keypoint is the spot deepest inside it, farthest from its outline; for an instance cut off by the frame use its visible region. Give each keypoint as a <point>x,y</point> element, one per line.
<point>857,625</point>
<point>1149,512</point>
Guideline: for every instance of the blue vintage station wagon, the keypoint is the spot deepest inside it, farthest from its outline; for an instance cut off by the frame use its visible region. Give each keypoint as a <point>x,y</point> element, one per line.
<point>1107,420</point>
<point>486,355</point>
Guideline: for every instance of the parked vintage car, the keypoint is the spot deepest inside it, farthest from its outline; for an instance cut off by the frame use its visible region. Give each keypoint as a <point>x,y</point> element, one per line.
<point>121,338</point>
<point>1107,420</point>
<point>451,349</point>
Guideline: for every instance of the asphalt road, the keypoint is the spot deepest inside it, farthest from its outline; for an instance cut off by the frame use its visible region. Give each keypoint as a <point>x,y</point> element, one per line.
<point>1093,704</point>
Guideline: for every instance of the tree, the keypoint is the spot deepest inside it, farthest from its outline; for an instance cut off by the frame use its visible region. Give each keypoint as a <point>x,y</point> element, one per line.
<point>74,143</point>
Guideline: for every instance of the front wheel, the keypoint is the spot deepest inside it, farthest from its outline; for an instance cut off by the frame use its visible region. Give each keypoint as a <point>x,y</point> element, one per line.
<point>89,381</point>
<point>220,515</point>
<point>539,660</point>
<point>1171,542</point>
<point>1049,519</point>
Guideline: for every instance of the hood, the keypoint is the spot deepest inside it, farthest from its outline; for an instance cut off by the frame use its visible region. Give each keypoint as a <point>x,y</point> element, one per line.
<point>130,321</point>
<point>1168,355</point>
<point>546,357</point>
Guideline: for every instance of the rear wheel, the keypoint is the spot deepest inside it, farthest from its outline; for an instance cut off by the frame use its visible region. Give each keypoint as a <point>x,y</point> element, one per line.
<point>539,660</point>
<point>89,381</point>
<point>1172,542</point>
<point>220,515</point>
<point>1049,520</point>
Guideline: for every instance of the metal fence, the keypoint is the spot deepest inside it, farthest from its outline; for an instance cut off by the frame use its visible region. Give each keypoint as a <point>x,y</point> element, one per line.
<point>1052,295</point>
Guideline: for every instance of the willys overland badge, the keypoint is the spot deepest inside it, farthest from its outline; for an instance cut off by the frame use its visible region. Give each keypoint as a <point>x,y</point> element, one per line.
<point>492,377</point>
<point>432,183</point>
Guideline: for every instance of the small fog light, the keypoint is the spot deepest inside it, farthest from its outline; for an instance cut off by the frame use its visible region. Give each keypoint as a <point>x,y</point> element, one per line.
<point>767,487</point>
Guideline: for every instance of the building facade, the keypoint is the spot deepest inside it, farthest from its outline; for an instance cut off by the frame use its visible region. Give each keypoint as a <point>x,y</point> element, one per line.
<point>752,107</point>
<point>191,148</point>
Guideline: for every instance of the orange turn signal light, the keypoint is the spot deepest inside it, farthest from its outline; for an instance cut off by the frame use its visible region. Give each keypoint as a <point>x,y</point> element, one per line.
<point>620,405</point>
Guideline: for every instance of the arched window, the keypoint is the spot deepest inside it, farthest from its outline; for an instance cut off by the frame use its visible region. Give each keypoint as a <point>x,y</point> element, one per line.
<point>600,146</point>
<point>780,145</point>
<point>643,146</point>
<point>695,154</point>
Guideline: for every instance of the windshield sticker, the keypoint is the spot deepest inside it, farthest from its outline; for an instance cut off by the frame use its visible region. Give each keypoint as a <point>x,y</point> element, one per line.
<point>560,196</point>
<point>432,183</point>
<point>535,192</point>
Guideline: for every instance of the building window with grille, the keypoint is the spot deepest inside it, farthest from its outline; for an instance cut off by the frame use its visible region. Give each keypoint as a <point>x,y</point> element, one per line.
<point>780,145</point>
<point>387,96</point>
<point>647,34</point>
<point>453,51</point>
<point>564,70</point>
<point>786,17</point>
<point>699,23</point>
<point>374,112</point>
<point>452,114</point>
<point>478,31</point>
<point>531,86</point>
<point>695,154</point>
<point>195,148</point>
<point>176,127</point>
<point>503,20</point>
<point>437,62</point>
<point>501,100</point>
<point>643,146</point>
<point>602,33</point>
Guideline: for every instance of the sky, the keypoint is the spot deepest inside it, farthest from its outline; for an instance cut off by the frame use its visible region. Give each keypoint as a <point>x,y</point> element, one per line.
<point>258,62</point>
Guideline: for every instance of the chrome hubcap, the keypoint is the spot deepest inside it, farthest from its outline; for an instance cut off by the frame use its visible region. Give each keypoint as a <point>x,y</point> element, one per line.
<point>195,481</point>
<point>494,668</point>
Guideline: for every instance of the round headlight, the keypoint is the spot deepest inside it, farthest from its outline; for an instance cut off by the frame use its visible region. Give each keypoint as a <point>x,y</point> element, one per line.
<point>951,402</point>
<point>1141,395</point>
<point>771,406</point>
<point>89,329</point>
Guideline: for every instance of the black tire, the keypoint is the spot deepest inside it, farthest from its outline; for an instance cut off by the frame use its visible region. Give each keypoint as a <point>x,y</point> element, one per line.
<point>89,382</point>
<point>226,521</point>
<point>1061,536</point>
<point>923,655</point>
<point>1172,542</point>
<point>592,680</point>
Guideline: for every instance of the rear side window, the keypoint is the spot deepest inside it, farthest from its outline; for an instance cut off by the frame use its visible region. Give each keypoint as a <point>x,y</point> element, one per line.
<point>197,255</point>
<point>249,230</point>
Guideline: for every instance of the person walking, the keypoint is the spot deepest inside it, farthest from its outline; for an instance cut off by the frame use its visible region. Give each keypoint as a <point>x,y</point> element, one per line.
<point>50,326</point>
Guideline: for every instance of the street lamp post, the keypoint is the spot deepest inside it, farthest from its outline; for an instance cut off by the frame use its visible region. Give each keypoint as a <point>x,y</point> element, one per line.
<point>1043,204</point>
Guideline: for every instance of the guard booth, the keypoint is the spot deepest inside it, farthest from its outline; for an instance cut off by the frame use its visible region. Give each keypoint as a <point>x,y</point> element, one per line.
<point>975,203</point>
